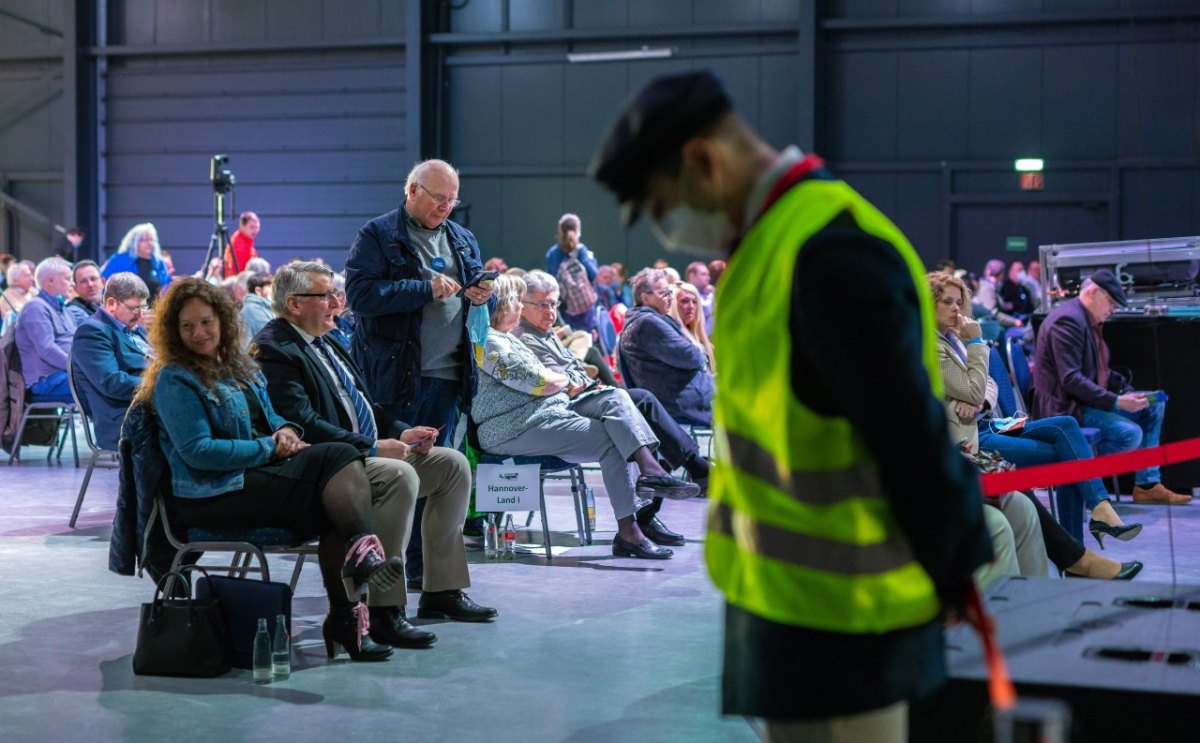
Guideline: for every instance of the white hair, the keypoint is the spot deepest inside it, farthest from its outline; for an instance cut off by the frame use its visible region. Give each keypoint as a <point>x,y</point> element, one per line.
<point>425,166</point>
<point>52,266</point>
<point>540,281</point>
<point>130,241</point>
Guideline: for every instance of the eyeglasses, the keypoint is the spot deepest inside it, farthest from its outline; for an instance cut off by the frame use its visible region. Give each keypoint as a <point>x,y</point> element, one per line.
<point>543,306</point>
<point>326,298</point>
<point>136,310</point>
<point>441,200</point>
<point>666,293</point>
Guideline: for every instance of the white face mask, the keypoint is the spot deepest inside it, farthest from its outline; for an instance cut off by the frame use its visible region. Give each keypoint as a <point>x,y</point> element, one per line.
<point>687,229</point>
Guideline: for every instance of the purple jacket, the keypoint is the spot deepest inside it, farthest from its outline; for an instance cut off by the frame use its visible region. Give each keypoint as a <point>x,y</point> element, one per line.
<point>44,334</point>
<point>1066,366</point>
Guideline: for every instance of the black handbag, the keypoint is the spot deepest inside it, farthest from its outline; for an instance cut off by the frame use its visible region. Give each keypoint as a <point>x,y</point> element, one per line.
<point>181,636</point>
<point>243,602</point>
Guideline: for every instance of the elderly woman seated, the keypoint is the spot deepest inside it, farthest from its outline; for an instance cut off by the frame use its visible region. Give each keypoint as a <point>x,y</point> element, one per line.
<point>522,409</point>
<point>235,464</point>
<point>659,356</point>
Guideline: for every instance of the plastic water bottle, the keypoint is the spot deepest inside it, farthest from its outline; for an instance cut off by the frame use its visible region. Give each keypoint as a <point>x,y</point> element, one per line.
<point>262,653</point>
<point>281,650</point>
<point>510,538</point>
<point>489,538</point>
<point>591,508</point>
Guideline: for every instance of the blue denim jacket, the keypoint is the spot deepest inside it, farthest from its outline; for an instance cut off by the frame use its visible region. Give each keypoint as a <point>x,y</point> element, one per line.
<point>206,433</point>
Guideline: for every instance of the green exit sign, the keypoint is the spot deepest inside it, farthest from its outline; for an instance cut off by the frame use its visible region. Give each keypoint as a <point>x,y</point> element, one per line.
<point>1016,244</point>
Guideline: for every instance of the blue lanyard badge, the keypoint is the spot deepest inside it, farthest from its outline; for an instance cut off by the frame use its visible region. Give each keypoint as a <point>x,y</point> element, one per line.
<point>438,264</point>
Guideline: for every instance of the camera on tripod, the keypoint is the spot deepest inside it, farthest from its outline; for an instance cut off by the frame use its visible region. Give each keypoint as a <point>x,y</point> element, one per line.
<point>222,177</point>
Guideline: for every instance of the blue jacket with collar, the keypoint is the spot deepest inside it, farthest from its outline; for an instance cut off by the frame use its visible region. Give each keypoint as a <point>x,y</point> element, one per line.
<point>206,432</point>
<point>386,291</point>
<point>107,367</point>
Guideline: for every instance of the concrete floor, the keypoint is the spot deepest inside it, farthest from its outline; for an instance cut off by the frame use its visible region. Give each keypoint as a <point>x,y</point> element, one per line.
<point>587,648</point>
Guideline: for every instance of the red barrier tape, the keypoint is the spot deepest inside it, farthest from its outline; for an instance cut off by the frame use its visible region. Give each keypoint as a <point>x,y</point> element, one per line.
<point>1049,475</point>
<point>1001,691</point>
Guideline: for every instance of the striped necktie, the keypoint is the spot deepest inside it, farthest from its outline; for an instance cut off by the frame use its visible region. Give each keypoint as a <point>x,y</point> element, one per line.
<point>366,419</point>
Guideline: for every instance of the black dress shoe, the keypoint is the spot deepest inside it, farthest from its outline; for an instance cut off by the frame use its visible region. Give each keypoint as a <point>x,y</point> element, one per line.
<point>1127,571</point>
<point>454,605</point>
<point>656,531</point>
<point>646,550</point>
<point>390,626</point>
<point>1125,532</point>
<point>668,486</point>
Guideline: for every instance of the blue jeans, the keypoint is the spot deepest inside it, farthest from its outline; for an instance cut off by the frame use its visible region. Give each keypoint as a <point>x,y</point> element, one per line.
<point>1121,431</point>
<point>1049,441</point>
<point>53,387</point>
<point>436,407</point>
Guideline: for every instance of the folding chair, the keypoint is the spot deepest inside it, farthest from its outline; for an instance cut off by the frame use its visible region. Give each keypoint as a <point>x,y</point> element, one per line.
<point>245,544</point>
<point>38,407</point>
<point>552,468</point>
<point>89,438</point>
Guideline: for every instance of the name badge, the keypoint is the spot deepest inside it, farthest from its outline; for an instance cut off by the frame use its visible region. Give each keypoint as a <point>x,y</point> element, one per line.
<point>439,264</point>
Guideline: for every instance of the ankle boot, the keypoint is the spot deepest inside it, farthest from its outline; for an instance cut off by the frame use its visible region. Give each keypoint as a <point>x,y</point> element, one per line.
<point>367,565</point>
<point>347,627</point>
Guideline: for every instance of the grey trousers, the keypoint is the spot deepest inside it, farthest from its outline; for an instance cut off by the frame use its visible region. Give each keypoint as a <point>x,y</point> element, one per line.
<point>1016,540</point>
<point>604,427</point>
<point>443,476</point>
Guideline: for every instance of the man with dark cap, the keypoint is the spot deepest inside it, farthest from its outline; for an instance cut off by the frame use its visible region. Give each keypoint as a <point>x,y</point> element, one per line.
<point>837,543</point>
<point>1072,376</point>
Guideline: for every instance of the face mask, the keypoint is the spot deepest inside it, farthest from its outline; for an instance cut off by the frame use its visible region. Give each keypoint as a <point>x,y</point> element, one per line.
<point>478,323</point>
<point>1022,277</point>
<point>690,230</point>
<point>687,229</point>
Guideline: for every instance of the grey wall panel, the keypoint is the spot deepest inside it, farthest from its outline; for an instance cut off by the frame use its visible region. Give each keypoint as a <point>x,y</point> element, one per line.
<point>607,14</point>
<point>915,193</point>
<point>316,137</point>
<point>536,15</point>
<point>662,13</point>
<point>531,130</point>
<point>473,115</point>
<point>1158,95</point>
<point>1078,103</point>
<point>1161,203</point>
<point>862,106</point>
<point>592,95</point>
<point>1005,103</point>
<point>931,120</point>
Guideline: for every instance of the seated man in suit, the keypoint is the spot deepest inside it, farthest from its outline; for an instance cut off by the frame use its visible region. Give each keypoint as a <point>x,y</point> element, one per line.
<point>44,332</point>
<point>109,354</point>
<point>536,330</point>
<point>1072,376</point>
<point>313,382</point>
<point>89,291</point>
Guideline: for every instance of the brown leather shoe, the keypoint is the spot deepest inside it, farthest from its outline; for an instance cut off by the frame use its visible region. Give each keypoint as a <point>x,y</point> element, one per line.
<point>1158,495</point>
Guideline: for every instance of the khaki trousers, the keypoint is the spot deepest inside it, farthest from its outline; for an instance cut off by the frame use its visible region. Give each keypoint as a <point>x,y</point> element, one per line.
<point>885,725</point>
<point>444,477</point>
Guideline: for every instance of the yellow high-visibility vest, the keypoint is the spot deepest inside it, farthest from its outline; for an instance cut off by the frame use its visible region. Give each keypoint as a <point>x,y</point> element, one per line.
<point>799,530</point>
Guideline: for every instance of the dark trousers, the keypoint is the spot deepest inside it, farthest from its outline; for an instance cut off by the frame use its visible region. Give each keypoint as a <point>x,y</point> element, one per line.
<point>1062,549</point>
<point>436,407</point>
<point>675,445</point>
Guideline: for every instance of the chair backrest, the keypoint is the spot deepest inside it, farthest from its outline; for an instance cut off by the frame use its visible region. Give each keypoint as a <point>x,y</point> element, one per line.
<point>1018,366</point>
<point>623,369</point>
<point>1007,398</point>
<point>81,402</point>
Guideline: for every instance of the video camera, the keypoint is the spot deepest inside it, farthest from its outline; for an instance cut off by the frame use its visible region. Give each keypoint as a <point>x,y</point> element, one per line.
<point>222,177</point>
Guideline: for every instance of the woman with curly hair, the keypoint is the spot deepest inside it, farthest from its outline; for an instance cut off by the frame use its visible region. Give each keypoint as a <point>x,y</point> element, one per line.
<point>236,464</point>
<point>141,254</point>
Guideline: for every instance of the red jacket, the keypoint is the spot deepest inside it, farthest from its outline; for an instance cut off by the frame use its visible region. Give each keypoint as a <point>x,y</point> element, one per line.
<point>244,247</point>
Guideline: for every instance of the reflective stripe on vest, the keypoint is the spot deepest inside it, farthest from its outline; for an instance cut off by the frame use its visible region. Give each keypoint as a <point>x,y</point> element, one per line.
<point>799,529</point>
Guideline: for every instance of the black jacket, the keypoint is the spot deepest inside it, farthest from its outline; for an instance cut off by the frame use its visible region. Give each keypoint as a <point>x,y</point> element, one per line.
<point>138,540</point>
<point>302,391</point>
<point>386,291</point>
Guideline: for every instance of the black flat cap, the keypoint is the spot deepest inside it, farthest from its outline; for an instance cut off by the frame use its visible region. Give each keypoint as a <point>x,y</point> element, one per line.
<point>1108,281</point>
<point>653,126</point>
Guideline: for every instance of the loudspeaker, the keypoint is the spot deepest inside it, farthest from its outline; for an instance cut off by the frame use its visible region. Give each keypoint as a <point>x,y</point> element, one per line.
<point>1124,656</point>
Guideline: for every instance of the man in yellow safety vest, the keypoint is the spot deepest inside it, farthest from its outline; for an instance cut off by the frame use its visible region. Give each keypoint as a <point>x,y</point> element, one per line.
<point>842,523</point>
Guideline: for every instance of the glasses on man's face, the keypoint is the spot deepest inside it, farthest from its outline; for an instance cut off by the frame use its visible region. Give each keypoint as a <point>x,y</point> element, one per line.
<point>440,199</point>
<point>665,293</point>
<point>543,306</point>
<point>136,309</point>
<point>325,298</point>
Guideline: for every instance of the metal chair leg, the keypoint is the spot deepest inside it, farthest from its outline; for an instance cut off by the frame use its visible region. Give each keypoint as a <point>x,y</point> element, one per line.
<point>545,520</point>
<point>296,571</point>
<point>579,497</point>
<point>87,477</point>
